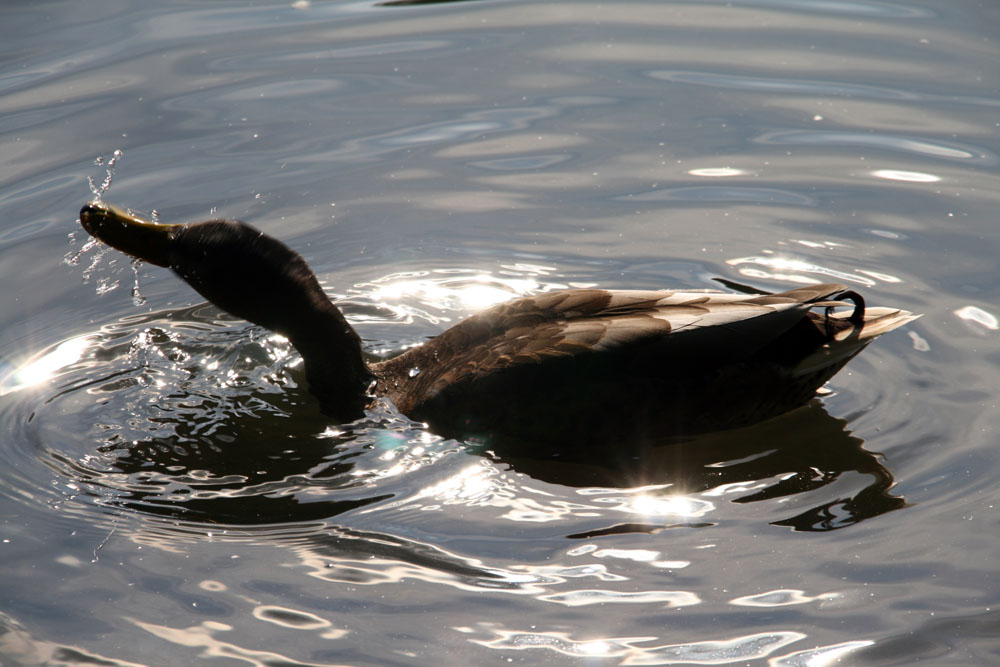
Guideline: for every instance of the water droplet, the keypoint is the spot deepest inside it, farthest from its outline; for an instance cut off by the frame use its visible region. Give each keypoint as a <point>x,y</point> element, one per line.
<point>72,258</point>
<point>137,298</point>
<point>94,261</point>
<point>414,372</point>
<point>109,171</point>
<point>105,285</point>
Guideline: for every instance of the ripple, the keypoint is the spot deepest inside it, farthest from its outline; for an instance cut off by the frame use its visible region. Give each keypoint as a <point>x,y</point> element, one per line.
<point>907,176</point>
<point>724,194</point>
<point>868,9</point>
<point>821,655</point>
<point>25,648</point>
<point>913,145</point>
<point>165,398</point>
<point>464,127</point>
<point>719,172</point>
<point>810,87</point>
<point>586,597</point>
<point>780,598</point>
<point>203,636</point>
<point>523,163</point>
<point>736,650</point>
<point>977,315</point>
<point>279,90</point>
<point>788,268</point>
<point>436,295</point>
<point>290,618</point>
<point>387,50</point>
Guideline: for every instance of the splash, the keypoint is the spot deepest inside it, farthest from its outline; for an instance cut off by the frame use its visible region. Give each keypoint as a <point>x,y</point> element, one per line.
<point>109,165</point>
<point>72,258</point>
<point>104,284</point>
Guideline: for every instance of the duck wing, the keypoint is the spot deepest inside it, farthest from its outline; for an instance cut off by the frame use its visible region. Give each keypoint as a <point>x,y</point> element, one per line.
<point>697,327</point>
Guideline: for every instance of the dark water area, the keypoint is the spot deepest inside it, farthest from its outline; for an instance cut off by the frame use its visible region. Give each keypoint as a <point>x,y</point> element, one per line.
<point>170,492</point>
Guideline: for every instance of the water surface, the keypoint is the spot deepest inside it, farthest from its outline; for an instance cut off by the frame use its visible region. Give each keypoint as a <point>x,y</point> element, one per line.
<point>170,492</point>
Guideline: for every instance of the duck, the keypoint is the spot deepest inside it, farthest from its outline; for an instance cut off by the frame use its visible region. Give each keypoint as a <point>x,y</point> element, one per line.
<point>571,368</point>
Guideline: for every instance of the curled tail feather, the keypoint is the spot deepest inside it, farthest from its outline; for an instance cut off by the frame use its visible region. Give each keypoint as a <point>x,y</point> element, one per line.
<point>849,340</point>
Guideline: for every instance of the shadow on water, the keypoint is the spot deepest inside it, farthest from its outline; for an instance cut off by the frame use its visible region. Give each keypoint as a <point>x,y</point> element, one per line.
<point>255,471</point>
<point>802,451</point>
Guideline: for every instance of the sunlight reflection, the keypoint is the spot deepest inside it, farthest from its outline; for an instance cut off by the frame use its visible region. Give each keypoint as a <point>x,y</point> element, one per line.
<point>908,176</point>
<point>646,503</point>
<point>471,296</point>
<point>279,349</point>
<point>472,482</point>
<point>780,598</point>
<point>458,289</point>
<point>202,636</point>
<point>978,316</point>
<point>602,596</point>
<point>920,343</point>
<point>791,270</point>
<point>718,172</point>
<point>817,244</point>
<point>46,365</point>
<point>638,555</point>
<point>670,505</point>
<point>819,657</point>
<point>642,556</point>
<point>555,574</point>
<point>596,648</point>
<point>372,559</point>
<point>18,646</point>
<point>561,642</point>
<point>736,650</point>
<point>482,484</point>
<point>884,277</point>
<point>736,487</point>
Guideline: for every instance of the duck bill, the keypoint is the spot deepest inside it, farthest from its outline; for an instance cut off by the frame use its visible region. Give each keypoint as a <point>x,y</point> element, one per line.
<point>147,240</point>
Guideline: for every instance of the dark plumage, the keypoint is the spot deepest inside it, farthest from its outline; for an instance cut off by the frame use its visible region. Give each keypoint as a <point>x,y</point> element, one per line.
<point>584,366</point>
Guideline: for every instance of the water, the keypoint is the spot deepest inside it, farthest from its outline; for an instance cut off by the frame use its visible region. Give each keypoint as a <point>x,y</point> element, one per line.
<point>170,492</point>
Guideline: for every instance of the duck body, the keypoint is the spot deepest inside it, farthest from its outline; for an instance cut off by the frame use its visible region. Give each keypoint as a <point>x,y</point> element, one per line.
<point>586,366</point>
<point>578,367</point>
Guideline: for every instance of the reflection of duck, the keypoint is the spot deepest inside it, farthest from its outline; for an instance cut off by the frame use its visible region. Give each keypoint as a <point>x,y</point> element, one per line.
<point>804,469</point>
<point>806,462</point>
<point>574,366</point>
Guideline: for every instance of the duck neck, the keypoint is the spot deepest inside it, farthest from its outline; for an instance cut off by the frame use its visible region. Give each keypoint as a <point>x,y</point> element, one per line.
<point>335,368</point>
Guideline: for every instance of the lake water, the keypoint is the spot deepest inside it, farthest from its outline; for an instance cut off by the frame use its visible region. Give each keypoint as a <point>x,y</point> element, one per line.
<point>169,491</point>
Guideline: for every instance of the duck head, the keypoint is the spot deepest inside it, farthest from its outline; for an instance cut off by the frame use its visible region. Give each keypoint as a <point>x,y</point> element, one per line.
<point>240,269</point>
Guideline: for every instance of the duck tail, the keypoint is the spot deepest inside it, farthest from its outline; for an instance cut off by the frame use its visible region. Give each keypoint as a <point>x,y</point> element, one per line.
<point>875,322</point>
<point>849,332</point>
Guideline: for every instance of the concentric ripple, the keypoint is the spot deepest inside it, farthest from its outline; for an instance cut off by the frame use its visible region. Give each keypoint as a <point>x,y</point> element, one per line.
<point>199,424</point>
